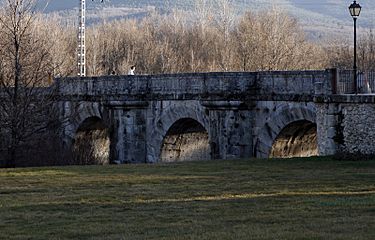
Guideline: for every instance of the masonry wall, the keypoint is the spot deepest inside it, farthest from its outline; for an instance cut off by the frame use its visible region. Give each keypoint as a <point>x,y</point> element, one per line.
<point>217,86</point>
<point>358,128</point>
<point>328,128</point>
<point>346,125</point>
<point>127,132</point>
<point>139,110</point>
<point>242,113</point>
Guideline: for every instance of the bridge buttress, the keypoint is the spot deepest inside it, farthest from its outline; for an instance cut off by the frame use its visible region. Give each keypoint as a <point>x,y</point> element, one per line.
<point>127,133</point>
<point>329,130</point>
<point>230,124</point>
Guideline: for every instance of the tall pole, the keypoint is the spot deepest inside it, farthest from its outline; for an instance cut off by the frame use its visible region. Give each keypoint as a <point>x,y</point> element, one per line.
<point>355,56</point>
<point>81,40</point>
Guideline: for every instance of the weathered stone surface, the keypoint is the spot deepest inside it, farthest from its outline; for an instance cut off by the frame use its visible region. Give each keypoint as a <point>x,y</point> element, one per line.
<point>274,117</point>
<point>161,115</point>
<point>358,128</point>
<point>242,114</point>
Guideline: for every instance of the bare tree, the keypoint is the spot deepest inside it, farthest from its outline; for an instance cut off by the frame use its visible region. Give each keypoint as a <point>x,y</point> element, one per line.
<point>366,51</point>
<point>26,103</point>
<point>207,41</point>
<point>274,41</point>
<point>225,20</point>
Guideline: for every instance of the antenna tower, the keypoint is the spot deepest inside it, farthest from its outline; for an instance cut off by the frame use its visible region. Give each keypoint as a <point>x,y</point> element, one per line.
<point>82,38</point>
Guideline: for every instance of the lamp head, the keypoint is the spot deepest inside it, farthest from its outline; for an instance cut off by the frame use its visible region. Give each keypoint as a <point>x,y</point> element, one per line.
<point>355,9</point>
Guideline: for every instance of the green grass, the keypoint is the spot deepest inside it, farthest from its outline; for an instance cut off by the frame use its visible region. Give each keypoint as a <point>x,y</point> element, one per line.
<point>245,199</point>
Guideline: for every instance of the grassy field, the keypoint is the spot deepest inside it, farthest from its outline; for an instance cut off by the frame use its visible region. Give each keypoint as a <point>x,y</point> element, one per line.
<point>246,199</point>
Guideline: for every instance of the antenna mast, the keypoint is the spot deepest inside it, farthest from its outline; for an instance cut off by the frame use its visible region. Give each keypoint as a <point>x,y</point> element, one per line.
<point>81,39</point>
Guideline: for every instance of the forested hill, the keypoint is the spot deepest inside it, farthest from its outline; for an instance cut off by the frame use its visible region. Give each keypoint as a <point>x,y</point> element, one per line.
<point>317,17</point>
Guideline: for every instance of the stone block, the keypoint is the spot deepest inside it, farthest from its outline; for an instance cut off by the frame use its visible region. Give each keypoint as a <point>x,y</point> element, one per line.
<point>331,120</point>
<point>331,132</point>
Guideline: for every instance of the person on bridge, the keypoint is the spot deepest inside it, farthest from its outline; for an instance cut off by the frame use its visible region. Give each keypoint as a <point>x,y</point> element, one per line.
<point>131,71</point>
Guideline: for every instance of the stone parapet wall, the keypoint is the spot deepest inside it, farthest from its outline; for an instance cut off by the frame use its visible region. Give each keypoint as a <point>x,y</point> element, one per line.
<point>155,85</point>
<point>237,85</point>
<point>290,82</point>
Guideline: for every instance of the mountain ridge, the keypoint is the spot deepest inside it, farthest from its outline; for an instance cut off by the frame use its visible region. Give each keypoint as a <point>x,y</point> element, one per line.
<point>328,17</point>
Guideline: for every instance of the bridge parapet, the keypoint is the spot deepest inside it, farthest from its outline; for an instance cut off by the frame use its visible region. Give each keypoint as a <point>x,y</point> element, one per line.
<point>154,85</point>
<point>236,85</point>
<point>291,82</point>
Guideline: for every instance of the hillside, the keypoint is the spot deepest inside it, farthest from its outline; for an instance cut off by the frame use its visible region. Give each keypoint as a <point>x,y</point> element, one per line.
<point>328,17</point>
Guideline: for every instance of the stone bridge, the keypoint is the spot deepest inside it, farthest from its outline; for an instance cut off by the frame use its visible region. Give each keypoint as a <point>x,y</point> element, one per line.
<point>178,117</point>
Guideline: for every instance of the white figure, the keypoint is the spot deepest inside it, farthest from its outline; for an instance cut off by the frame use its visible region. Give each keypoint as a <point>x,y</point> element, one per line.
<point>131,71</point>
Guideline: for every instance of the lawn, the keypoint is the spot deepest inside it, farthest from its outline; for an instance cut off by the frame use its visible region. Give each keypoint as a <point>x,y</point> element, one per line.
<point>316,198</point>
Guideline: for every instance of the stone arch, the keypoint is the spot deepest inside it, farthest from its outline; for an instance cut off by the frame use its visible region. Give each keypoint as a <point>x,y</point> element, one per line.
<point>164,122</point>
<point>81,112</point>
<point>186,140</point>
<point>85,120</point>
<point>287,117</point>
<point>297,139</point>
<point>91,143</point>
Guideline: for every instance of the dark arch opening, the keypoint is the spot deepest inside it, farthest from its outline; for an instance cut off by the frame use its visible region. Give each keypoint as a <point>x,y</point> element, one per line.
<point>91,143</point>
<point>186,140</point>
<point>297,139</point>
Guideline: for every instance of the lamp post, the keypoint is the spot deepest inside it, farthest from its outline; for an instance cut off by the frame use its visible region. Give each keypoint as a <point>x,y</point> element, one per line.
<point>355,10</point>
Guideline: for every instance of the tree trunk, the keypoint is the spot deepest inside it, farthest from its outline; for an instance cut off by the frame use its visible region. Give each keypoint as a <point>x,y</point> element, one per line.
<point>11,162</point>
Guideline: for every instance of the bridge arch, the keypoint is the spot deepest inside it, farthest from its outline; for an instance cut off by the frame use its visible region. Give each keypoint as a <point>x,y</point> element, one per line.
<point>297,139</point>
<point>87,134</point>
<point>82,112</point>
<point>288,132</point>
<point>186,140</point>
<point>91,144</point>
<point>174,126</point>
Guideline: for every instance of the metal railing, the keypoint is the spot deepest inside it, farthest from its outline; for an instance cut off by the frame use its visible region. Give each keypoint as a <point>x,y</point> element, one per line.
<point>345,82</point>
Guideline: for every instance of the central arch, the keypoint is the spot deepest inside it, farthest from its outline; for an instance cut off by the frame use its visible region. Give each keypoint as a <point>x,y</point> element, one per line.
<point>91,143</point>
<point>164,124</point>
<point>186,140</point>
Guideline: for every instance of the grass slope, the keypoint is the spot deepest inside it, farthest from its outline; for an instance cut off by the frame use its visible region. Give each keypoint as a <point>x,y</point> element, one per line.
<point>246,199</point>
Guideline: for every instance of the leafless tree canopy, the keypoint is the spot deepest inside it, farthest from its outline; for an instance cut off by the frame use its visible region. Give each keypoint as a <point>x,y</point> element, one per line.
<point>182,43</point>
<point>25,71</point>
<point>213,38</point>
<point>340,52</point>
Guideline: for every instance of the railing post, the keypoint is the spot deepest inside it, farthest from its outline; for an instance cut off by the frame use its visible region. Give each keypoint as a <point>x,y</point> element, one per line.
<point>334,78</point>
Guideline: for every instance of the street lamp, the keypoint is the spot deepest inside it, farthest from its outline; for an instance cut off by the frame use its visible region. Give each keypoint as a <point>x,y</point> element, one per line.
<point>355,10</point>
